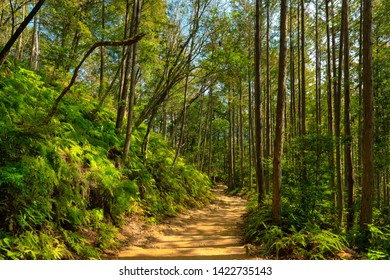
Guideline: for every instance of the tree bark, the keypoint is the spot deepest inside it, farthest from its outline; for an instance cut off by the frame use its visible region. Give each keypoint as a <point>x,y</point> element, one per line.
<point>258,107</point>
<point>349,180</point>
<point>337,107</point>
<point>241,134</point>
<point>368,126</point>
<point>279,129</point>
<point>329,99</point>
<point>268,104</point>
<point>231,183</point>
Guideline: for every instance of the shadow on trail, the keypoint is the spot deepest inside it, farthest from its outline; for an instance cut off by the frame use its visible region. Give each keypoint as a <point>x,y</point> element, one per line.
<point>210,233</point>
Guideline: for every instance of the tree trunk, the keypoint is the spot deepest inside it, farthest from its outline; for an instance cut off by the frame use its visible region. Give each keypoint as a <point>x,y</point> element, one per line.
<point>258,107</point>
<point>34,45</point>
<point>337,107</point>
<point>303,71</point>
<point>360,93</point>
<point>231,183</point>
<point>241,128</point>
<point>210,130</point>
<point>279,130</point>
<point>125,72</point>
<point>349,181</point>
<point>189,59</point>
<point>20,40</point>
<point>134,49</point>
<point>4,52</point>
<point>334,141</point>
<point>329,99</point>
<point>268,104</point>
<point>368,118</point>
<point>292,79</point>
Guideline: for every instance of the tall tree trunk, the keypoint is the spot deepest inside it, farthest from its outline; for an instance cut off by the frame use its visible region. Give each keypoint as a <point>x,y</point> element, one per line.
<point>250,119</point>
<point>337,107</point>
<point>134,49</point>
<point>210,130</point>
<point>19,54</point>
<point>258,107</point>
<point>198,153</point>
<point>251,133</point>
<point>349,181</point>
<point>241,133</point>
<point>279,130</point>
<point>318,72</point>
<point>4,52</point>
<point>268,104</point>
<point>231,183</point>
<point>303,70</point>
<point>360,93</point>
<point>204,141</point>
<point>34,56</point>
<point>189,59</point>
<point>368,118</point>
<point>334,69</point>
<point>183,123</point>
<point>125,72</point>
<point>329,99</point>
<point>318,95</point>
<point>299,119</point>
<point>292,77</point>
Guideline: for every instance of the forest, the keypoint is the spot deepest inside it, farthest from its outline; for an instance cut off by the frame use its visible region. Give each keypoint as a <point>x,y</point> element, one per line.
<point>116,108</point>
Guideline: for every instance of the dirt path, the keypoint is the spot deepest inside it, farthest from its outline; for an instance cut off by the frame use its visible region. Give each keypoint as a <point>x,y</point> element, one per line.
<point>212,232</point>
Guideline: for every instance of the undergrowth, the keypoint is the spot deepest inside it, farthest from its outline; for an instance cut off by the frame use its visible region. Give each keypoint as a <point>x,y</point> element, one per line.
<point>289,241</point>
<point>292,240</point>
<point>62,194</point>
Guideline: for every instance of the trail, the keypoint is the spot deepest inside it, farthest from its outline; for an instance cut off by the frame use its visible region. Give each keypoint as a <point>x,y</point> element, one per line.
<point>210,233</point>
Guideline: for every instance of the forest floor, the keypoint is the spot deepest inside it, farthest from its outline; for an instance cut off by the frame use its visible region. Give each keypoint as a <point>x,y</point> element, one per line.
<point>210,233</point>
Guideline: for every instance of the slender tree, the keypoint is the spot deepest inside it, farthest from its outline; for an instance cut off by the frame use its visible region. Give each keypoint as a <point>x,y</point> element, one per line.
<point>134,59</point>
<point>280,127</point>
<point>258,106</point>
<point>349,180</point>
<point>329,98</point>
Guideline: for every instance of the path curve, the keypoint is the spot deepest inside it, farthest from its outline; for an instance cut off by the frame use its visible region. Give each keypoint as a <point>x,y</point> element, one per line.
<point>210,233</point>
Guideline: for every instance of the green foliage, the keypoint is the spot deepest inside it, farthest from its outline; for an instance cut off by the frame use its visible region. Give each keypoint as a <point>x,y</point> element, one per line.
<point>286,241</point>
<point>380,244</point>
<point>167,189</point>
<point>34,245</point>
<point>308,200</point>
<point>61,192</point>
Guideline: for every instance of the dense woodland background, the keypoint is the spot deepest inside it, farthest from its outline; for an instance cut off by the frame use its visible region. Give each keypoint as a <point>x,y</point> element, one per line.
<point>114,108</point>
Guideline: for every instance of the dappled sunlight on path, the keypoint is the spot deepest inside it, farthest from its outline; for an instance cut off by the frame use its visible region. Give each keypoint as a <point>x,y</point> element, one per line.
<point>213,232</point>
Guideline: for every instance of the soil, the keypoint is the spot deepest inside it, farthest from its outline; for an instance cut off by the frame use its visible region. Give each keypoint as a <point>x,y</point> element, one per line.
<point>209,233</point>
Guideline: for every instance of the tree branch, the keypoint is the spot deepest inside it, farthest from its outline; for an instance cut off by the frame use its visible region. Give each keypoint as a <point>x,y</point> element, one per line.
<point>126,42</point>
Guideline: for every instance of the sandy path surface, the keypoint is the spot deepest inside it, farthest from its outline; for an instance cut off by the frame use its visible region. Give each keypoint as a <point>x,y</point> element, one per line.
<point>213,232</point>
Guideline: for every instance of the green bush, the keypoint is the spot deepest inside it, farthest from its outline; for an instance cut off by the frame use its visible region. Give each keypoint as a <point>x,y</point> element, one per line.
<point>62,194</point>
<point>287,242</point>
